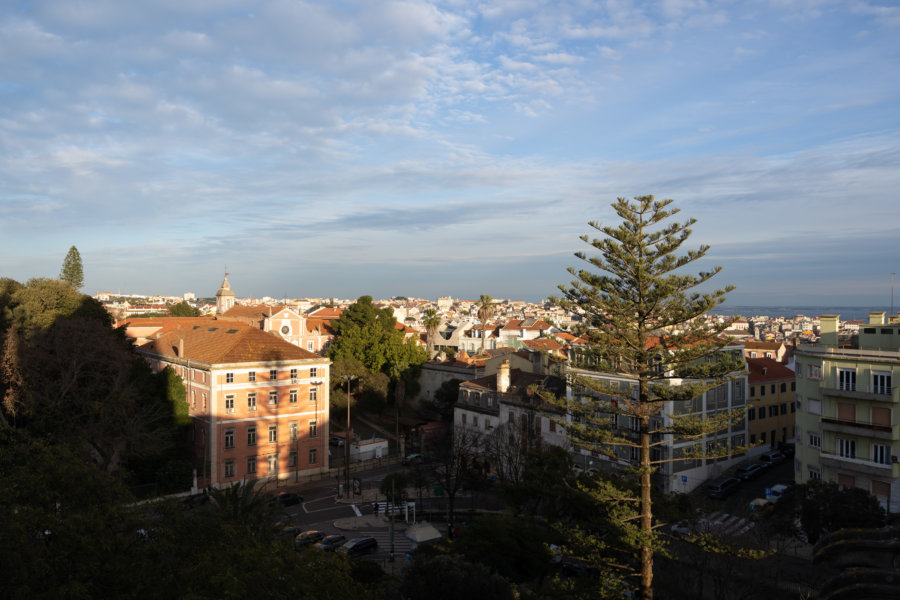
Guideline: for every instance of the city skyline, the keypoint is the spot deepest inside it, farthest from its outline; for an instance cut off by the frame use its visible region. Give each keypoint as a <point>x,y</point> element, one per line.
<point>447,148</point>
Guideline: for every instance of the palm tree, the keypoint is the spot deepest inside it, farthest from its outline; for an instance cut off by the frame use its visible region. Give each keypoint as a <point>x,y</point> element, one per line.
<point>485,312</point>
<point>431,321</point>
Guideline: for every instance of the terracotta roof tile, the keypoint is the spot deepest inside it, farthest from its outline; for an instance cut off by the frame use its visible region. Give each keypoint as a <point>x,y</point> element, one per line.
<point>221,342</point>
<point>767,369</point>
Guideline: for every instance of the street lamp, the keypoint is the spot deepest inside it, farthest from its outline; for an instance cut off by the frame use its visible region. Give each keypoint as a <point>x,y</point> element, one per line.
<point>349,379</point>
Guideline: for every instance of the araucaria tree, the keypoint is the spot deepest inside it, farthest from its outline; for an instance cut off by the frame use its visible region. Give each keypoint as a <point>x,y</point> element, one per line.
<point>644,322</point>
<point>72,271</point>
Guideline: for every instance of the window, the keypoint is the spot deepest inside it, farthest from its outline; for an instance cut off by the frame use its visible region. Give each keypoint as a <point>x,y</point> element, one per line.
<point>251,465</point>
<point>251,376</point>
<point>309,345</point>
<point>229,403</point>
<point>783,387</point>
<point>814,473</point>
<point>273,433</point>
<point>313,372</point>
<point>814,440</point>
<point>751,414</point>
<point>313,394</point>
<point>229,438</point>
<point>273,464</point>
<point>881,383</point>
<point>293,396</point>
<point>846,411</point>
<point>881,416</point>
<point>753,391</point>
<point>463,418</point>
<point>292,459</point>
<point>313,428</point>
<point>229,468</point>
<point>273,374</point>
<point>752,354</point>
<point>772,389</point>
<point>762,390</point>
<point>273,398</point>
<point>881,454</point>
<point>313,456</point>
<point>251,436</point>
<point>251,401</point>
<point>193,399</point>
<point>229,377</point>
<point>752,438</point>
<point>793,407</point>
<point>773,410</point>
<point>847,448</point>
<point>552,426</point>
<point>294,430</point>
<point>793,386</point>
<point>784,408</point>
<point>203,396</point>
<point>293,375</point>
<point>815,406</point>
<point>762,437</point>
<point>847,379</point>
<point>814,371</point>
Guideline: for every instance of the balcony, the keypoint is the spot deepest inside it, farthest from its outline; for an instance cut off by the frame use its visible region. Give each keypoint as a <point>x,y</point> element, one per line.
<point>857,394</point>
<point>859,465</point>
<point>861,429</point>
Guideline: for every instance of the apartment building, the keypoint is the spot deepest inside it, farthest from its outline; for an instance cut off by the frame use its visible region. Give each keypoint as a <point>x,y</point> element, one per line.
<point>848,415</point>
<point>674,473</point>
<point>771,407</point>
<point>259,404</point>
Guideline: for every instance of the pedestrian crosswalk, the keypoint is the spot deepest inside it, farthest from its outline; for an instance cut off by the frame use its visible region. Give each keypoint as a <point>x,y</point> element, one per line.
<point>402,544</point>
<point>724,524</point>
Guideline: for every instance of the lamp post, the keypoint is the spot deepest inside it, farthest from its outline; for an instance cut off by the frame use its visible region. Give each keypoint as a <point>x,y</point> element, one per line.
<point>349,379</point>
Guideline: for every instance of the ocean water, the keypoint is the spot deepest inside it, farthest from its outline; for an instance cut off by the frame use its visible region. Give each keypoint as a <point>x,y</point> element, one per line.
<point>847,313</point>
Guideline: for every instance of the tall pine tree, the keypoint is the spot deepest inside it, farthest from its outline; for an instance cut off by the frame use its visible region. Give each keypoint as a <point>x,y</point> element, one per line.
<point>644,325</point>
<point>72,271</point>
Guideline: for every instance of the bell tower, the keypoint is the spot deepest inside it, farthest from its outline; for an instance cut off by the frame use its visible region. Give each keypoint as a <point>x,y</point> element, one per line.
<point>224,297</point>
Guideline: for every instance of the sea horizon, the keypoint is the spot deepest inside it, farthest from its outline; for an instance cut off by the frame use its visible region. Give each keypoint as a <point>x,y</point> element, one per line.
<point>846,313</point>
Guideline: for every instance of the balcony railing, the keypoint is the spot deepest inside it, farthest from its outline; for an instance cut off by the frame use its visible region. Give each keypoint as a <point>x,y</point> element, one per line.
<point>861,465</point>
<point>861,429</point>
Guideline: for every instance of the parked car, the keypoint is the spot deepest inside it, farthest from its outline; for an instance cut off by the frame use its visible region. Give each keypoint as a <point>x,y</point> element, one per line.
<point>685,528</point>
<point>750,471</point>
<point>788,448</point>
<point>287,499</point>
<point>195,500</point>
<point>413,458</point>
<point>307,538</point>
<point>772,458</point>
<point>776,491</point>
<point>330,543</point>
<point>359,546</point>
<point>722,487</point>
<point>336,440</point>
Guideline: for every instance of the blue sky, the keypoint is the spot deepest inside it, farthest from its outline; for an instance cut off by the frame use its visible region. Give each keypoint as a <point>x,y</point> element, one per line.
<point>446,148</point>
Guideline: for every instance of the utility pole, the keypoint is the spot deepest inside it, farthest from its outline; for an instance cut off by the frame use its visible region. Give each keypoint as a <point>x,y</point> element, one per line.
<point>349,379</point>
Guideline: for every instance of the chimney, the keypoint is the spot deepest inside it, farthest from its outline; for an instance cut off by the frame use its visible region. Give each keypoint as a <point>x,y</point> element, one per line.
<point>180,347</point>
<point>828,330</point>
<point>503,377</point>
<point>876,318</point>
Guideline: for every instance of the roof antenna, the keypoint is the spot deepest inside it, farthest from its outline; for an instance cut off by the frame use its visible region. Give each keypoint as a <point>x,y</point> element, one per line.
<point>892,292</point>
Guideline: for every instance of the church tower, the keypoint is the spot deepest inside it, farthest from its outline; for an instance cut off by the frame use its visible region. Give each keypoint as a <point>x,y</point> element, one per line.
<point>224,297</point>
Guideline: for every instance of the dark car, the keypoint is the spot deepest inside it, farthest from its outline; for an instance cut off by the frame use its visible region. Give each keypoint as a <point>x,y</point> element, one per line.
<point>772,458</point>
<point>308,538</point>
<point>722,487</point>
<point>751,471</point>
<point>412,459</point>
<point>359,546</point>
<point>330,543</point>
<point>788,448</point>
<point>287,499</point>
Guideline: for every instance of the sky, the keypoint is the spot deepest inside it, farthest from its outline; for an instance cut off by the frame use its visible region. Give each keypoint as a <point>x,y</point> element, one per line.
<point>342,148</point>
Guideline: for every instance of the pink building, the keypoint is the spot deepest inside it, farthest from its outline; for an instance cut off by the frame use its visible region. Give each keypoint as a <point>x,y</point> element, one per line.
<point>259,404</point>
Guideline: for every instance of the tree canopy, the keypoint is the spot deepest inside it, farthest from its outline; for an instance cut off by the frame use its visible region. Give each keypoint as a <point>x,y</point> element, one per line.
<point>72,271</point>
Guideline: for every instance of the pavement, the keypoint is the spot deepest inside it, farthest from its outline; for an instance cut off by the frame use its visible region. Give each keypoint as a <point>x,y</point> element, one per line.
<point>368,522</point>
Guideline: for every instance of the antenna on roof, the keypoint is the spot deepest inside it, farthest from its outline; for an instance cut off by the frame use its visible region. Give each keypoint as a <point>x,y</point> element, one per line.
<point>892,292</point>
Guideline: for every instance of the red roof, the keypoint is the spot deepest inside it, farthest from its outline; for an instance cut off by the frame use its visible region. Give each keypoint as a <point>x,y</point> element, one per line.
<point>221,342</point>
<point>767,369</point>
